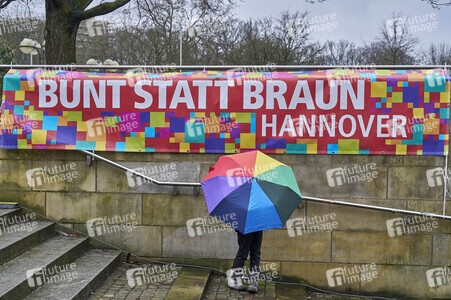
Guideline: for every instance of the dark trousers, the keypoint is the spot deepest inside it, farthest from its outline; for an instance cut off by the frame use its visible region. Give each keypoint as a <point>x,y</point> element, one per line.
<point>248,243</point>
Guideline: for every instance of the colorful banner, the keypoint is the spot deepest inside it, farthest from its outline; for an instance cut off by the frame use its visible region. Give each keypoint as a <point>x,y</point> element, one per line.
<point>308,112</point>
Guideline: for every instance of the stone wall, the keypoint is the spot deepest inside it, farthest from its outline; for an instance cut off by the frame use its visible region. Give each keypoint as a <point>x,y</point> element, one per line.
<point>359,236</point>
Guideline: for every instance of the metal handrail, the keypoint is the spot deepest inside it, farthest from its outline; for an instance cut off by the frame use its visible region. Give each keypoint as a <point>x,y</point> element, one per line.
<point>193,184</point>
<point>314,199</point>
<point>225,67</point>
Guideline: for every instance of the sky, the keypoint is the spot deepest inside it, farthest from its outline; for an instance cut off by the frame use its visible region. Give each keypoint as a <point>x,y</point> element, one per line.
<point>355,20</point>
<point>359,20</point>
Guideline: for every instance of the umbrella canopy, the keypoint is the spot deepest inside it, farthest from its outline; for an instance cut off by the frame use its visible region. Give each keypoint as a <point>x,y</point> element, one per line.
<point>251,191</point>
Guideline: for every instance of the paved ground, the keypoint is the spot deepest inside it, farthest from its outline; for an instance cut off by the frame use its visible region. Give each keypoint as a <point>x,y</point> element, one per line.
<point>312,295</point>
<point>117,287</point>
<point>219,290</point>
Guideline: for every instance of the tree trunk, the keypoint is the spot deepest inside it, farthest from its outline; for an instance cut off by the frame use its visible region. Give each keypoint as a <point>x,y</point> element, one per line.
<point>60,34</point>
<point>63,17</point>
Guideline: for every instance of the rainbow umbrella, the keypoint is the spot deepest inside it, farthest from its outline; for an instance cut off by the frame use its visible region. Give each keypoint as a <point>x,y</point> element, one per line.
<point>251,191</point>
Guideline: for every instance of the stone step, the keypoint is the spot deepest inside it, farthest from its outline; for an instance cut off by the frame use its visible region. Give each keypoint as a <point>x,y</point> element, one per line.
<point>91,269</point>
<point>10,213</point>
<point>137,281</point>
<point>56,251</point>
<point>191,284</point>
<point>17,238</point>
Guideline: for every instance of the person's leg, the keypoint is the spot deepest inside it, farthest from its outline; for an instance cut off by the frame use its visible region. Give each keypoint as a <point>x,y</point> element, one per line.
<point>244,247</point>
<point>234,275</point>
<point>255,261</point>
<point>255,250</point>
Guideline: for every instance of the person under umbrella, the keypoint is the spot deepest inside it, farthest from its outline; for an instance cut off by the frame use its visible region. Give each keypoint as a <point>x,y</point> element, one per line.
<point>262,192</point>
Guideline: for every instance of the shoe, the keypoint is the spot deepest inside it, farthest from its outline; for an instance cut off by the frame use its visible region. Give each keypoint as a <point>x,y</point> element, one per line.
<point>253,282</point>
<point>234,279</point>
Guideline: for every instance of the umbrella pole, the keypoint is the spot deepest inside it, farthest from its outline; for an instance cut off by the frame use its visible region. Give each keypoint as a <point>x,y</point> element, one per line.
<point>367,206</point>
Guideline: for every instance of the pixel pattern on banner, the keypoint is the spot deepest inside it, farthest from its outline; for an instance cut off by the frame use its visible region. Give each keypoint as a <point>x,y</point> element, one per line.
<point>402,112</point>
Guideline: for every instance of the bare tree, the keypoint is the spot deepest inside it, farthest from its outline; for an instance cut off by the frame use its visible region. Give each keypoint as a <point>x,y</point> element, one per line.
<point>62,21</point>
<point>282,40</point>
<point>394,46</point>
<point>291,34</point>
<point>438,54</point>
<point>342,52</point>
<point>221,44</point>
<point>162,22</point>
<point>14,30</point>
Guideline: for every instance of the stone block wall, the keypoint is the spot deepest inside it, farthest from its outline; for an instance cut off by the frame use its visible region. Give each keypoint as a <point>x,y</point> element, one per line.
<point>359,237</point>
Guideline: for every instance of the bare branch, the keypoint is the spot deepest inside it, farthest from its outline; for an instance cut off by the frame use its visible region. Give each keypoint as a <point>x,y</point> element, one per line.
<point>438,3</point>
<point>103,9</point>
<point>5,3</point>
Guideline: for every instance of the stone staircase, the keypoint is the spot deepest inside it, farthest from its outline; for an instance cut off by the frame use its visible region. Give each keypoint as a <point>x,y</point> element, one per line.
<point>38,262</point>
